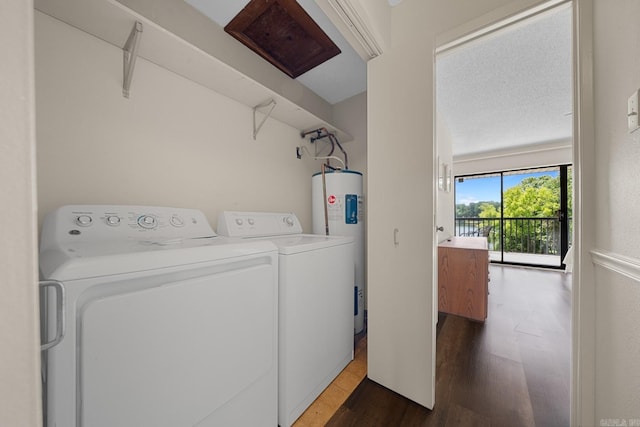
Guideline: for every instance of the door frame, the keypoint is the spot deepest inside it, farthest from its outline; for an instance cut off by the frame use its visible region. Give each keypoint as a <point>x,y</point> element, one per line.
<point>20,389</point>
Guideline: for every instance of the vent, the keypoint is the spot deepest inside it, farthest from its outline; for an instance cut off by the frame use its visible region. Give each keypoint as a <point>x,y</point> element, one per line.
<point>284,34</point>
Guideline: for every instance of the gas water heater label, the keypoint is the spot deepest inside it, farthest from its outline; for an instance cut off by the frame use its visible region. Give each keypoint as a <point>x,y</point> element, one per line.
<point>335,208</point>
<point>345,209</point>
<point>351,208</point>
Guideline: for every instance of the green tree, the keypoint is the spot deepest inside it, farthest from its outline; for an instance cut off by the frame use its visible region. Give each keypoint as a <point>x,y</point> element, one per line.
<point>489,210</point>
<point>534,197</point>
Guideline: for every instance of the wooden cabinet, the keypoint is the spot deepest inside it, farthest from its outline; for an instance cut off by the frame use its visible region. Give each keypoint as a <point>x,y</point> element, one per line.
<point>463,277</point>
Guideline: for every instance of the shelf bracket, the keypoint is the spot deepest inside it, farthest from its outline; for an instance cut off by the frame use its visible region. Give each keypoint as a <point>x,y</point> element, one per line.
<point>130,52</point>
<point>256,129</point>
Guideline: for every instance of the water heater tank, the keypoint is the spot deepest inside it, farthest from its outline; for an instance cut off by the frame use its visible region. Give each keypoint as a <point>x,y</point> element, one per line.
<point>345,217</point>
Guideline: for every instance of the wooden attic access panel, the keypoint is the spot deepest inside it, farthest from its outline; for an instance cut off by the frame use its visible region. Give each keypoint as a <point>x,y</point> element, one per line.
<point>284,34</point>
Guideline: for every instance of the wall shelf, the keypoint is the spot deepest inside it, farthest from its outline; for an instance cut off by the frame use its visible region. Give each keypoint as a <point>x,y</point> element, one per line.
<point>111,21</point>
<point>130,53</point>
<point>256,128</point>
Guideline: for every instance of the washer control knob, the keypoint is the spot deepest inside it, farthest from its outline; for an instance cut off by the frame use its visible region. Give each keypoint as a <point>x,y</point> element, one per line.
<point>84,220</point>
<point>239,221</point>
<point>147,221</point>
<point>176,221</point>
<point>113,220</point>
<point>251,221</point>
<point>289,221</point>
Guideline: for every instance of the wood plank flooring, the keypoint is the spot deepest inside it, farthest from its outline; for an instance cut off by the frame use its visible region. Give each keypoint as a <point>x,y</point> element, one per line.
<point>513,370</point>
<point>330,400</point>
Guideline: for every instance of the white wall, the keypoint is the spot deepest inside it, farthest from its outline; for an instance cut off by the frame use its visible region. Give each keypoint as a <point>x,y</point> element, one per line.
<point>617,198</point>
<point>19,335</point>
<point>172,143</point>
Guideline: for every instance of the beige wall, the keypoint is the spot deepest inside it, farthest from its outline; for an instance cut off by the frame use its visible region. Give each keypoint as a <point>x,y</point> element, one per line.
<point>351,116</point>
<point>617,200</point>
<point>173,142</point>
<point>19,336</point>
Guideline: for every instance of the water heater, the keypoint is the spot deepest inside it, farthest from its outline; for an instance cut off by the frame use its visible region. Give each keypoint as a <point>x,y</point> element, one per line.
<point>341,195</point>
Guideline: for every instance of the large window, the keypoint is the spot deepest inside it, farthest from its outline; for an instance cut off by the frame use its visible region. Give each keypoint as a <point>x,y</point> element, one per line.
<point>525,215</point>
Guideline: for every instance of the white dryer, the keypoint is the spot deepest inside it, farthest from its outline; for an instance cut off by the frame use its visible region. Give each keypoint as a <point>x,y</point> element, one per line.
<point>166,323</point>
<point>316,304</point>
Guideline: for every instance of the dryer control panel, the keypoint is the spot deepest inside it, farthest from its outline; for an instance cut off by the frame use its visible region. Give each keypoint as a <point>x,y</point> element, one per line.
<point>257,224</point>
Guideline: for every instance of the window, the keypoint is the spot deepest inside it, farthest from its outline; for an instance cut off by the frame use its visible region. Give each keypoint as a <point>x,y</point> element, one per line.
<point>525,214</point>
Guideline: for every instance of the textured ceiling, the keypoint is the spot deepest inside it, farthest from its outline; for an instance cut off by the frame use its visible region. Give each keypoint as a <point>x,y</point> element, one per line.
<point>335,80</point>
<point>510,88</point>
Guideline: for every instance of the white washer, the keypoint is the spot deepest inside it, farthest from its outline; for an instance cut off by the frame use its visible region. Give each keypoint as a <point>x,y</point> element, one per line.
<point>166,323</point>
<point>316,303</point>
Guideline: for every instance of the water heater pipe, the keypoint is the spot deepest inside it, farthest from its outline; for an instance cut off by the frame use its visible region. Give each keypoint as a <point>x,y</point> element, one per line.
<point>332,138</point>
<point>303,148</point>
<point>324,197</point>
<point>344,153</point>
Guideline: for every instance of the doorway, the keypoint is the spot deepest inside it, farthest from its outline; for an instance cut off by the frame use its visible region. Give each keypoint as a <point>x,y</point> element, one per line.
<point>518,128</point>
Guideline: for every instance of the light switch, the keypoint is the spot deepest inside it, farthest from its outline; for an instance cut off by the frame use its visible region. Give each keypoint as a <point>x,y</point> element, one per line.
<point>632,112</point>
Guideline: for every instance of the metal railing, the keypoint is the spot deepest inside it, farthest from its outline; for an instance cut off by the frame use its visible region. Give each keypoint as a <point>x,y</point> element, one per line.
<point>516,235</point>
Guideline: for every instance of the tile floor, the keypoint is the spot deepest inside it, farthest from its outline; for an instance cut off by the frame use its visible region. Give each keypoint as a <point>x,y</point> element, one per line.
<point>323,408</point>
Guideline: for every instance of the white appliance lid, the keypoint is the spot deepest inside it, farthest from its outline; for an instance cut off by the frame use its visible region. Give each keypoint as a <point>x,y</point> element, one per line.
<point>298,243</point>
<point>105,259</point>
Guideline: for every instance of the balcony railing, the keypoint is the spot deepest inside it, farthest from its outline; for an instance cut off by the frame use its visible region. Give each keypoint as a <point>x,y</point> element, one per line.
<point>535,236</point>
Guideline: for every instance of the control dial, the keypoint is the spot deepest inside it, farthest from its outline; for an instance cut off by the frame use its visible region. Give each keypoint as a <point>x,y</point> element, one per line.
<point>176,221</point>
<point>147,221</point>
<point>113,220</point>
<point>239,221</point>
<point>84,220</point>
<point>289,221</point>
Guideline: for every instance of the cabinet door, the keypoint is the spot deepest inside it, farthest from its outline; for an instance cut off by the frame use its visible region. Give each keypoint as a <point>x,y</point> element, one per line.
<point>462,282</point>
<point>401,334</point>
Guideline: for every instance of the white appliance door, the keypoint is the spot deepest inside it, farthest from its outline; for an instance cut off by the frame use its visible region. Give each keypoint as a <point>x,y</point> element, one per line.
<point>187,353</point>
<point>316,325</point>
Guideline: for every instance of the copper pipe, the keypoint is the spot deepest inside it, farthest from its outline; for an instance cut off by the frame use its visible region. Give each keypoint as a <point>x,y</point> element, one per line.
<point>324,198</point>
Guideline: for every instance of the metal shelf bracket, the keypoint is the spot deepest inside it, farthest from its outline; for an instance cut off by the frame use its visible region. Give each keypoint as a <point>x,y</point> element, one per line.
<point>130,52</point>
<point>271,102</point>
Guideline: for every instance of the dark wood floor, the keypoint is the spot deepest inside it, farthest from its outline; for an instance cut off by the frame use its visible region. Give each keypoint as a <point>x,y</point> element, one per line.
<point>513,370</point>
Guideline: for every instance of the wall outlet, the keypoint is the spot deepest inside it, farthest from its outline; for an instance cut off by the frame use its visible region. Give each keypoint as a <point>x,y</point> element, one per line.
<point>632,112</point>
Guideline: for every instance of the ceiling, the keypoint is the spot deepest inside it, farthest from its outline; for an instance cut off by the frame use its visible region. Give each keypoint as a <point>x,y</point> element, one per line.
<point>335,80</point>
<point>509,89</point>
